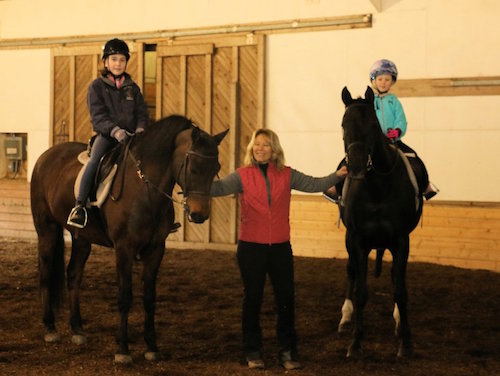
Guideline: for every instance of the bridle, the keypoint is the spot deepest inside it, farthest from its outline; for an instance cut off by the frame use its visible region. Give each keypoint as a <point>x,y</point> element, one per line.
<point>184,168</point>
<point>182,171</point>
<point>369,162</point>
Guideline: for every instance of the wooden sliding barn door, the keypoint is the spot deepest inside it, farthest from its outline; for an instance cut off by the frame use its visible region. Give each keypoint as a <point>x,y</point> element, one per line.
<point>73,69</point>
<point>218,83</point>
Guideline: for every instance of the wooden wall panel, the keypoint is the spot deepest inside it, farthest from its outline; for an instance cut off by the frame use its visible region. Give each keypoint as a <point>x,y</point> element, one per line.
<point>196,83</point>
<point>170,101</point>
<point>248,96</point>
<point>61,113</point>
<point>84,75</point>
<point>171,87</point>
<point>223,219</point>
<point>447,87</point>
<point>132,67</point>
<point>204,82</point>
<point>458,234</point>
<point>195,110</point>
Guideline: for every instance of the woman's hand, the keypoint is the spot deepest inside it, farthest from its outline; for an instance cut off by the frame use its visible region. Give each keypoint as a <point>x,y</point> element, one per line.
<point>342,172</point>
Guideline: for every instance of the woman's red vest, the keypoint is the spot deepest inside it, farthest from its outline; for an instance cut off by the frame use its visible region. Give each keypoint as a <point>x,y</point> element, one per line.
<point>261,222</point>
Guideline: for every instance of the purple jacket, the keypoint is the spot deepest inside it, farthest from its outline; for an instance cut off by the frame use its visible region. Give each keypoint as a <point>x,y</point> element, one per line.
<point>110,107</point>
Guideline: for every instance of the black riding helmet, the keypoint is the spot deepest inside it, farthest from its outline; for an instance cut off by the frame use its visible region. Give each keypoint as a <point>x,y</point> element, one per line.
<point>115,46</point>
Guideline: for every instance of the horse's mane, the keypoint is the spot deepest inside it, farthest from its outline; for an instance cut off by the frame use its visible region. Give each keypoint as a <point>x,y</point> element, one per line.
<point>159,138</point>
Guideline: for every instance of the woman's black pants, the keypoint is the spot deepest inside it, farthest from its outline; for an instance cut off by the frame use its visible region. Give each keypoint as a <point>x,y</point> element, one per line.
<point>255,262</point>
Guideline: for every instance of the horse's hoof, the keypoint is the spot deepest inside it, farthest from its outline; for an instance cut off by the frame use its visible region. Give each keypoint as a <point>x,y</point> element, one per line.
<point>79,339</point>
<point>344,327</point>
<point>52,337</point>
<point>152,356</point>
<point>405,351</point>
<point>123,359</point>
<point>354,352</point>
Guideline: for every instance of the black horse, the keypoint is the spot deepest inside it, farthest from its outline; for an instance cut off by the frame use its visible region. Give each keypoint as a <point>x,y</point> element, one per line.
<point>135,223</point>
<point>381,205</point>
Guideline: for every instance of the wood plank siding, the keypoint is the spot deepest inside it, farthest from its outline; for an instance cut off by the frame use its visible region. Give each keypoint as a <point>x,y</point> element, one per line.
<point>464,234</point>
<point>459,234</point>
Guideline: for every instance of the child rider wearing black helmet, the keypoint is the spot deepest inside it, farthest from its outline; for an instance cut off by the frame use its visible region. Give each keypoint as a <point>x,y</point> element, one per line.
<point>117,111</point>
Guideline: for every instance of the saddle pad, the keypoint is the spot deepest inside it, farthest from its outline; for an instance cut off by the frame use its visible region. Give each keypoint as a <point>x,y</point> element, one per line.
<point>83,157</point>
<point>103,188</point>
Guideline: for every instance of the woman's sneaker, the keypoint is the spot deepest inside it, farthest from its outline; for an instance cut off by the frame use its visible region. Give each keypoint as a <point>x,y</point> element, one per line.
<point>287,361</point>
<point>254,361</point>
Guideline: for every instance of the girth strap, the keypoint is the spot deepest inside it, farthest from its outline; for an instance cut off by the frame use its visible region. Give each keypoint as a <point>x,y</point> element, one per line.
<point>411,175</point>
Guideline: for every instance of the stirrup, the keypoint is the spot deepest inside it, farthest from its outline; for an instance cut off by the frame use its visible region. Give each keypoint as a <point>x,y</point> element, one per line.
<point>434,191</point>
<point>77,217</point>
<point>331,197</point>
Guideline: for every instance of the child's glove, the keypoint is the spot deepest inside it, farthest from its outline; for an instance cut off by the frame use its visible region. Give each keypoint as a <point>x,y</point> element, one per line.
<point>392,134</point>
<point>120,135</point>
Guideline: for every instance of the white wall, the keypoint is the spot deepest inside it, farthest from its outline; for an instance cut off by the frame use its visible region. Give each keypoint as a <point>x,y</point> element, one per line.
<point>48,18</point>
<point>25,98</point>
<point>457,137</point>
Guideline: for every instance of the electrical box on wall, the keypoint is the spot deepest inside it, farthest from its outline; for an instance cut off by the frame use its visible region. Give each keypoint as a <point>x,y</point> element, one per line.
<point>15,148</point>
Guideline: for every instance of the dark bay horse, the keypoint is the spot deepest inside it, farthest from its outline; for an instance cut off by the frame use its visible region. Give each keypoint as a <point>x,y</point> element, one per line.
<point>381,206</point>
<point>136,223</point>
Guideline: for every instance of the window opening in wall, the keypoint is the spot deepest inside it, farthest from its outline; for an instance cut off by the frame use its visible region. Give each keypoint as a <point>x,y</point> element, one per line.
<point>13,156</point>
<point>149,90</point>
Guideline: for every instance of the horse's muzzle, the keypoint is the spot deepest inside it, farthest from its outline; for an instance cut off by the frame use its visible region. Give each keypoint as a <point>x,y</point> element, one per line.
<point>197,207</point>
<point>197,217</point>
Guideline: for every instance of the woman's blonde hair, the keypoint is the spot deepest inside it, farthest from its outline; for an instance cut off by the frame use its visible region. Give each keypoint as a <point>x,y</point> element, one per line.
<point>277,154</point>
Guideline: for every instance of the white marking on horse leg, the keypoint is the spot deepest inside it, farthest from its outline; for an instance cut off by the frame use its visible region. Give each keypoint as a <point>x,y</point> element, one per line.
<point>152,356</point>
<point>78,339</point>
<point>347,310</point>
<point>397,319</point>
<point>123,359</point>
<point>52,337</point>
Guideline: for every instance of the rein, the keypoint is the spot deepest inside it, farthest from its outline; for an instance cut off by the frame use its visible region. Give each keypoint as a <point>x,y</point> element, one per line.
<point>144,179</point>
<point>369,162</point>
<point>391,170</point>
<point>122,166</point>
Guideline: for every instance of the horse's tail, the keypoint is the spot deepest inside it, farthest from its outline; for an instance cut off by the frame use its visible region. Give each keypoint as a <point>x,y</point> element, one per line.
<point>378,261</point>
<point>51,267</point>
<point>57,277</point>
<point>50,246</point>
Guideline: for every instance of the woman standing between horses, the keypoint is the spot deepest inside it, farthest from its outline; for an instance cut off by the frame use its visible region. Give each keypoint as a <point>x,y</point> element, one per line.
<point>117,111</point>
<point>390,113</point>
<point>264,186</point>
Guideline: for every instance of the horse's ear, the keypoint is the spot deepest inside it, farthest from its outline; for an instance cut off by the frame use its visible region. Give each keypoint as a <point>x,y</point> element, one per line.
<point>346,96</point>
<point>195,134</point>
<point>369,95</point>
<point>219,137</point>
